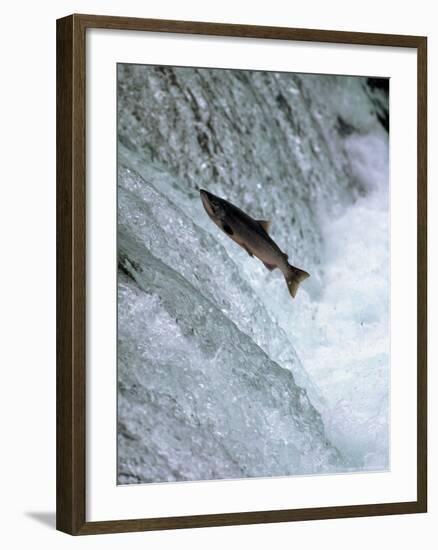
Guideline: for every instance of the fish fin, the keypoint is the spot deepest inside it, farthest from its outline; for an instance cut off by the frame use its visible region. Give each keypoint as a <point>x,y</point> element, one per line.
<point>227,229</point>
<point>266,224</point>
<point>293,279</point>
<point>248,250</point>
<point>269,266</point>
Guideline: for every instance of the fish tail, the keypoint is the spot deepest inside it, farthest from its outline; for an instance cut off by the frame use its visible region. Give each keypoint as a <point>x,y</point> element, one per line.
<point>294,277</point>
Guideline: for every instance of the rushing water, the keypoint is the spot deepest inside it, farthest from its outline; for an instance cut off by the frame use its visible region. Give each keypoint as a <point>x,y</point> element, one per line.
<point>220,373</point>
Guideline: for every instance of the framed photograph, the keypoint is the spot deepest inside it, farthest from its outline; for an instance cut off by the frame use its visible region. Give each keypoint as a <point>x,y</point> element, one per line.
<point>241,274</point>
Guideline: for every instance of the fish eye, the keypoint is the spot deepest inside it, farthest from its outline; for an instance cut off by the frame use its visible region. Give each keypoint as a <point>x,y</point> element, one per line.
<point>218,209</point>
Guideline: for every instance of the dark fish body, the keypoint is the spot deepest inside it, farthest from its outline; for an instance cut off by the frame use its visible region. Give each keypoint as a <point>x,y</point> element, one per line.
<point>252,235</point>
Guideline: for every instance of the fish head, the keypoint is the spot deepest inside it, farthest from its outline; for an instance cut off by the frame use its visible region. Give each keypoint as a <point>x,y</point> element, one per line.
<point>214,206</point>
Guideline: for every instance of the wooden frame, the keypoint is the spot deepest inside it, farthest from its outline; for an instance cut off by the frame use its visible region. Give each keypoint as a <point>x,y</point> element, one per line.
<point>71,364</point>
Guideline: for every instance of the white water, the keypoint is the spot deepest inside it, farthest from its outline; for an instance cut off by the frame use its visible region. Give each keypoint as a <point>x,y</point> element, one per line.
<point>347,352</point>
<point>221,374</point>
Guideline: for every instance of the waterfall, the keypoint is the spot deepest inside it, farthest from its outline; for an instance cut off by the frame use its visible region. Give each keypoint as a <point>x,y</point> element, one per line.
<point>220,373</point>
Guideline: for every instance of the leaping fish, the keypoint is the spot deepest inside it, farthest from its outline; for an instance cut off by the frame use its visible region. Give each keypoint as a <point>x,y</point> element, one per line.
<point>252,235</point>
